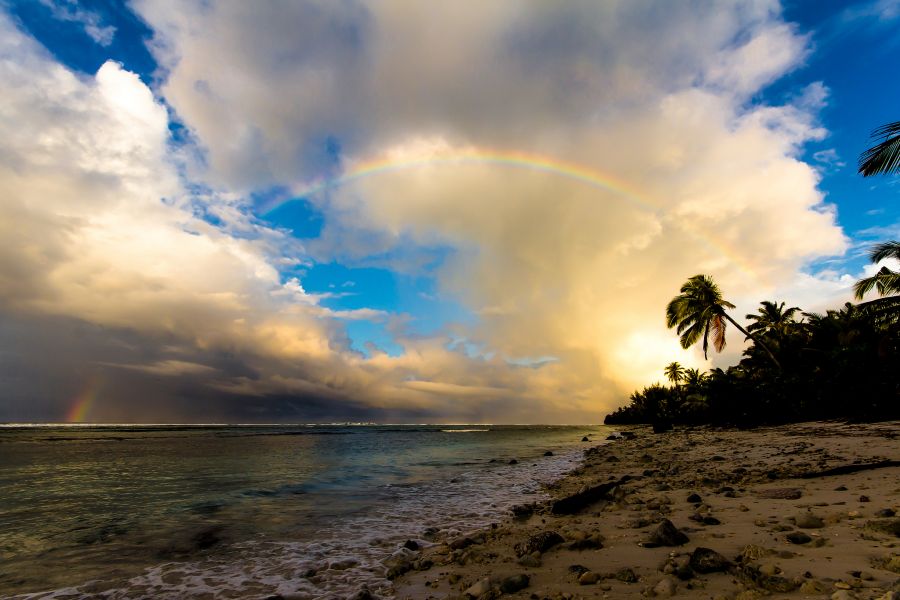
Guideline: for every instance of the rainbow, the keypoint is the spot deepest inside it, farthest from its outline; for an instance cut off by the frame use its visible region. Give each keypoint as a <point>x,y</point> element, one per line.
<point>511,160</point>
<point>84,400</point>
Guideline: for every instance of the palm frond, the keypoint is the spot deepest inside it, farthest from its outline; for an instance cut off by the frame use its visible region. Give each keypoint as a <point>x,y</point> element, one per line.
<point>885,281</point>
<point>890,249</point>
<point>884,157</point>
<point>718,327</point>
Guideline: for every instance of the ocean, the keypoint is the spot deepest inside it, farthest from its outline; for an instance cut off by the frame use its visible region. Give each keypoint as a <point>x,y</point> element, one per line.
<point>306,511</point>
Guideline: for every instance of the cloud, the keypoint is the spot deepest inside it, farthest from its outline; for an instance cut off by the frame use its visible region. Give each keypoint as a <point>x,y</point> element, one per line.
<point>68,10</point>
<point>665,167</point>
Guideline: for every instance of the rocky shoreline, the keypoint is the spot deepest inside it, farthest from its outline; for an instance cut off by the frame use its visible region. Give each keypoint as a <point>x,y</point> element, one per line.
<point>805,510</point>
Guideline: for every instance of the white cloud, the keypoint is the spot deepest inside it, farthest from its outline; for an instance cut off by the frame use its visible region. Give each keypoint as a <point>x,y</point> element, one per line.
<point>69,10</point>
<point>665,168</point>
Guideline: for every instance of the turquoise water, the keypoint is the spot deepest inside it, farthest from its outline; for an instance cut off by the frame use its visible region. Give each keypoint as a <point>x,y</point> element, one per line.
<point>250,511</point>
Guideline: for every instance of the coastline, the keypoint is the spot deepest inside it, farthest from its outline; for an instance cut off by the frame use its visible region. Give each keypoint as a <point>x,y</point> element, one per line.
<point>755,491</point>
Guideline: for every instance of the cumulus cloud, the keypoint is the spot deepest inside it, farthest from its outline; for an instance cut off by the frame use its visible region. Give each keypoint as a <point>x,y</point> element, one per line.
<point>664,167</point>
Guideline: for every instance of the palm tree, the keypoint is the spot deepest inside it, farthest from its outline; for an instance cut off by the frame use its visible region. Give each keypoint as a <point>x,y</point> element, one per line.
<point>883,157</point>
<point>693,378</point>
<point>772,317</point>
<point>885,280</point>
<point>700,310</point>
<point>675,373</point>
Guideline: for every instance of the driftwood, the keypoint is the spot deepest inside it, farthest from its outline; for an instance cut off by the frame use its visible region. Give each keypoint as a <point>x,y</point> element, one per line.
<point>578,502</point>
<point>845,469</point>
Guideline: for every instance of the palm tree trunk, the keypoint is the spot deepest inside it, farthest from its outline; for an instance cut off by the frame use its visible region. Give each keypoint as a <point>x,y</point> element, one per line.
<point>754,338</point>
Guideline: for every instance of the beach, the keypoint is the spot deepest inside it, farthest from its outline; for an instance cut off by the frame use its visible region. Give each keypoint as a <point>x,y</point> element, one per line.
<point>795,511</point>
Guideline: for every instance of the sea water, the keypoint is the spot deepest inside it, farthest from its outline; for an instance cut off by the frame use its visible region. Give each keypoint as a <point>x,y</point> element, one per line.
<point>307,511</point>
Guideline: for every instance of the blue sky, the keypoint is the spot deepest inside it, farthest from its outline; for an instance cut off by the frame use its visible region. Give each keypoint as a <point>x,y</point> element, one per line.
<point>416,287</point>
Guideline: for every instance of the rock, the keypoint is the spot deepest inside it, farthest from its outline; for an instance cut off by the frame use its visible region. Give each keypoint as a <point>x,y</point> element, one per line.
<point>798,537</point>
<point>769,569</point>
<point>588,578</point>
<point>780,493</point>
<point>540,542</point>
<point>864,499</point>
<point>809,521</point>
<point>529,561</point>
<point>411,545</point>
<point>514,583</point>
<point>548,453</point>
<point>593,542</point>
<point>841,488</point>
<point>752,552</point>
<point>626,575</point>
<point>885,526</point>
<point>462,542</point>
<point>578,570</point>
<point>707,520</point>
<point>585,439</point>
<point>694,498</point>
<point>523,511</point>
<point>363,594</point>
<point>397,565</point>
<point>813,587</point>
<point>665,588</point>
<point>885,512</point>
<point>480,587</point>
<point>666,534</point>
<point>512,461</point>
<point>705,560</point>
<point>842,595</point>
<point>612,458</point>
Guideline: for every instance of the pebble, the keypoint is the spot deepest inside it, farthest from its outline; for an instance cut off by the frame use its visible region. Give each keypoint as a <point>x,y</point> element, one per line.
<point>665,588</point>
<point>589,578</point>
<point>842,595</point>
<point>798,537</point>
<point>809,521</point>
<point>480,587</point>
<point>514,583</point>
<point>705,560</point>
<point>694,498</point>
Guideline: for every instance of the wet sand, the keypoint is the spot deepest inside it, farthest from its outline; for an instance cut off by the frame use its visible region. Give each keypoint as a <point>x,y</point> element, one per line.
<point>796,511</point>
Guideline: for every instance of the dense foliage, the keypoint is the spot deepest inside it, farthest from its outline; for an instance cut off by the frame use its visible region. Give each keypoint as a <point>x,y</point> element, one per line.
<point>841,364</point>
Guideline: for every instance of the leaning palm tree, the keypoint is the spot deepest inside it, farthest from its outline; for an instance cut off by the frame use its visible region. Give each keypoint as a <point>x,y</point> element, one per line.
<point>675,373</point>
<point>772,317</point>
<point>700,310</point>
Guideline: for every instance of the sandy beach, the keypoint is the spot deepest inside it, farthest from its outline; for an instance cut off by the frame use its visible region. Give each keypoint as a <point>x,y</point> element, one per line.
<point>796,511</point>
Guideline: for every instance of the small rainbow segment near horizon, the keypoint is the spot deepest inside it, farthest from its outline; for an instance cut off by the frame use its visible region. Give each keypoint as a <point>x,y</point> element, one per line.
<point>84,401</point>
<point>514,160</point>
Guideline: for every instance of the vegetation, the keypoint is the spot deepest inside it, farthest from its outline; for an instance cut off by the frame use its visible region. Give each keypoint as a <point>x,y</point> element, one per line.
<point>800,365</point>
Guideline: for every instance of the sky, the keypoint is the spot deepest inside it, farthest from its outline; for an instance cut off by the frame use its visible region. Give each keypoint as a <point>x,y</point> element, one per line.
<point>398,211</point>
